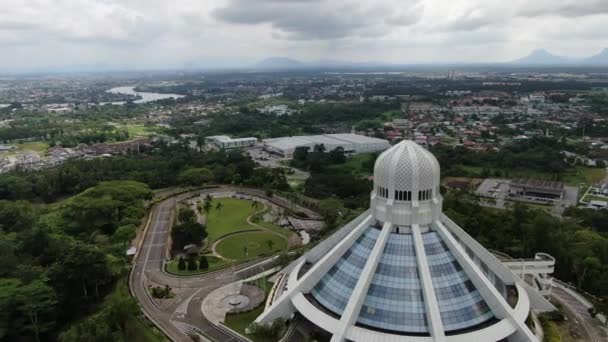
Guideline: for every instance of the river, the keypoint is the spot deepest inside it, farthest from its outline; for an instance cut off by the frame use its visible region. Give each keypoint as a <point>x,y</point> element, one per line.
<point>145,97</point>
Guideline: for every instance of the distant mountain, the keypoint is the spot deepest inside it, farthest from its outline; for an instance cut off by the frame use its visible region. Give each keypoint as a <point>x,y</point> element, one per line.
<point>544,57</point>
<point>541,56</point>
<point>599,59</point>
<point>279,63</point>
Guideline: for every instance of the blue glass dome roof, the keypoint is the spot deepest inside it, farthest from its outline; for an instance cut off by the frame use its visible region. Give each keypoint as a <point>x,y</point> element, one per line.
<point>394,301</point>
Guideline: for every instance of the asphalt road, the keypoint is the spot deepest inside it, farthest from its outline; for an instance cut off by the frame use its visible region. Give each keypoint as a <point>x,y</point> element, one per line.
<point>590,325</point>
<point>183,315</point>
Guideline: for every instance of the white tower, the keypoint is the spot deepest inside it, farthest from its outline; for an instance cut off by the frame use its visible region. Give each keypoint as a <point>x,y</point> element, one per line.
<point>403,271</point>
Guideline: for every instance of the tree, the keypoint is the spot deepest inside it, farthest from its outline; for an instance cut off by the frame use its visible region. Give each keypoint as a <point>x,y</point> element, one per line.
<point>300,153</point>
<point>330,208</point>
<point>124,234</point>
<point>270,331</point>
<point>195,177</point>
<point>192,266</point>
<point>337,155</point>
<point>186,215</point>
<point>270,244</point>
<point>8,292</point>
<point>181,264</point>
<point>203,263</point>
<point>207,207</point>
<point>13,187</point>
<point>219,207</point>
<point>187,233</point>
<point>208,204</point>
<point>37,301</point>
<point>16,216</point>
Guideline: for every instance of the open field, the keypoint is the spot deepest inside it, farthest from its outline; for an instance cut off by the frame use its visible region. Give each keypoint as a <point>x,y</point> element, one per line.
<point>574,176</point>
<point>140,130</point>
<point>39,147</point>
<point>231,218</point>
<point>251,245</point>
<point>586,175</point>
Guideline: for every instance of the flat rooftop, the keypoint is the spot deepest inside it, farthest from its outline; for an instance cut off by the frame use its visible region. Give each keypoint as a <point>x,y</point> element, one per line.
<point>537,184</point>
<point>326,139</point>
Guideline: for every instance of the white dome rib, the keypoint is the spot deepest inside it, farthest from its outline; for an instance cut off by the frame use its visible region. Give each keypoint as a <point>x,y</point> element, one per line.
<point>403,271</point>
<point>406,166</point>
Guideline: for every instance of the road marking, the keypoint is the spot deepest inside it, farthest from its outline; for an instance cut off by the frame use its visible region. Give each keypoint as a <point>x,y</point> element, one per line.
<point>224,275</point>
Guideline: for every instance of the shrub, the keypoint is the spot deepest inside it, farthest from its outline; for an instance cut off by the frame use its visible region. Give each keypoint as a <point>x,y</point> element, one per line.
<point>181,264</point>
<point>192,266</point>
<point>203,264</point>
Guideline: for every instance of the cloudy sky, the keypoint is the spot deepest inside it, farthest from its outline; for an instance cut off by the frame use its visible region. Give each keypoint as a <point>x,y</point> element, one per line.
<point>39,34</point>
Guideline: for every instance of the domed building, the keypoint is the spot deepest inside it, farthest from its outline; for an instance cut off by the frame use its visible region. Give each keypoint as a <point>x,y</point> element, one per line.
<point>403,271</point>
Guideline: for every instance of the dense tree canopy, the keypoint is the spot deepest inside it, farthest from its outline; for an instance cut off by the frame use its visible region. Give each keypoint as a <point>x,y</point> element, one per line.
<point>581,253</point>
<point>57,262</point>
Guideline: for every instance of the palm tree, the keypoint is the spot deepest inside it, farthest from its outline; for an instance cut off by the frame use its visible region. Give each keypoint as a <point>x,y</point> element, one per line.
<point>207,207</point>
<point>292,198</point>
<point>270,244</point>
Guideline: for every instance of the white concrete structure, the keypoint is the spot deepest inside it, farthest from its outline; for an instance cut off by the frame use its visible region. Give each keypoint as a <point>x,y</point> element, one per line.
<point>351,143</point>
<point>226,142</point>
<point>403,271</point>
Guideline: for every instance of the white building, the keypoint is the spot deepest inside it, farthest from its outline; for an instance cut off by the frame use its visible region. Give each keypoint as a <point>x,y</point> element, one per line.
<point>351,143</point>
<point>537,98</point>
<point>403,271</point>
<point>226,142</point>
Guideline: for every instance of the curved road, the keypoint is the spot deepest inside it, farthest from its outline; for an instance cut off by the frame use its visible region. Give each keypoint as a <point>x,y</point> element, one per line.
<point>182,315</point>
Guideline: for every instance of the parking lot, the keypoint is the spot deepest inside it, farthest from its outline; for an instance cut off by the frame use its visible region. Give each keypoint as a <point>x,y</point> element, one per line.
<point>498,189</point>
<point>272,160</point>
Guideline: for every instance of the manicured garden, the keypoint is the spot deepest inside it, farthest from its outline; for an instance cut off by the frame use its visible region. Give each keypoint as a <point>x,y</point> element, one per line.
<point>251,245</point>
<point>237,240</point>
<point>215,264</point>
<point>232,217</point>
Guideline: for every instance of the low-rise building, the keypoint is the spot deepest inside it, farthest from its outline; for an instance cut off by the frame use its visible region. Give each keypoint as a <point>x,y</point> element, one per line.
<point>226,142</point>
<point>351,143</point>
<point>537,189</point>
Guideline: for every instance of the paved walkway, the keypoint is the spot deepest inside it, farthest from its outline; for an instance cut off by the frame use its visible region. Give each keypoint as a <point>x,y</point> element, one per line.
<point>257,228</point>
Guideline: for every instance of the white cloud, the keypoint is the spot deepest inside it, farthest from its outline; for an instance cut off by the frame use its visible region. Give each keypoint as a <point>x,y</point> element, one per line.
<point>174,33</point>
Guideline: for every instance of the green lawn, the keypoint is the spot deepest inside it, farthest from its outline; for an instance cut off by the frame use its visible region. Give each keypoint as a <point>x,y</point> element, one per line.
<point>34,146</point>
<point>255,244</point>
<point>231,218</point>
<point>590,198</point>
<point>586,175</point>
<point>140,130</point>
<point>240,322</point>
<point>215,264</point>
<point>355,165</point>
